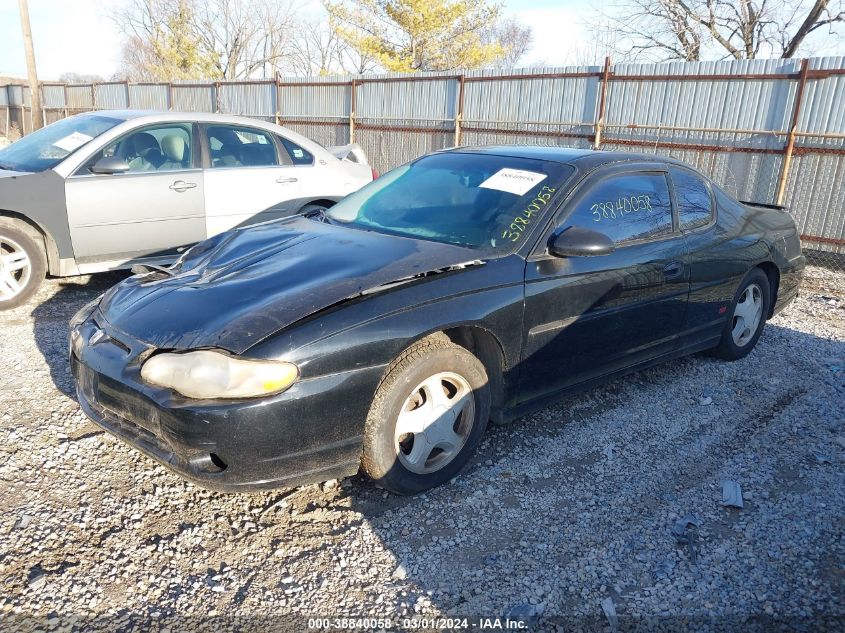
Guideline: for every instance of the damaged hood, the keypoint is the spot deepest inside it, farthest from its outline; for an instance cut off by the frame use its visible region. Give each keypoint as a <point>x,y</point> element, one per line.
<point>240,287</point>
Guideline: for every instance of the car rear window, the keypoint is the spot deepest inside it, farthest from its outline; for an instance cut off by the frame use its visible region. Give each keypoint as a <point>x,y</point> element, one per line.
<point>695,205</point>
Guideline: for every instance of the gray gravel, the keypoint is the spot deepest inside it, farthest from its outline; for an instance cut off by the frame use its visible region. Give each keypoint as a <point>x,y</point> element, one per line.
<point>565,518</point>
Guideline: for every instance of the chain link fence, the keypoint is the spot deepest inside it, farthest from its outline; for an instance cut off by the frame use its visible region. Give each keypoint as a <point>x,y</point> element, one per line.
<point>769,131</point>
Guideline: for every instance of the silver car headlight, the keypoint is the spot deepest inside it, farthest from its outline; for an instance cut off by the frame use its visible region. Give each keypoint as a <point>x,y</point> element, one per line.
<point>207,374</point>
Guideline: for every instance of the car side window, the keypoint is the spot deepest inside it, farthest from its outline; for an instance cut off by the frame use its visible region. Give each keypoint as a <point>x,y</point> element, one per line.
<point>156,148</point>
<point>298,155</point>
<point>695,205</point>
<point>236,146</point>
<point>626,207</point>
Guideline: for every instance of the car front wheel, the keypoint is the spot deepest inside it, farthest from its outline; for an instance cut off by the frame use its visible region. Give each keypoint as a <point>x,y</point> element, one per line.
<point>427,418</point>
<point>22,265</point>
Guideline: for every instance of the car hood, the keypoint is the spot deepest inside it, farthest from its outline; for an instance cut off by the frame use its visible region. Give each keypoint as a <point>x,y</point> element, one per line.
<point>240,287</point>
<point>8,173</point>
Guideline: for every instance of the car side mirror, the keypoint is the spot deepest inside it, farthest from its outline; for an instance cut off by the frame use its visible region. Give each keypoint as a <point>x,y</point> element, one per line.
<point>110,165</point>
<point>576,241</point>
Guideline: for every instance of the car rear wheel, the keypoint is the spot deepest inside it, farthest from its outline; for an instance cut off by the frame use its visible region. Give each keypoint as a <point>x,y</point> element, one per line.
<point>22,264</point>
<point>427,417</point>
<point>747,317</point>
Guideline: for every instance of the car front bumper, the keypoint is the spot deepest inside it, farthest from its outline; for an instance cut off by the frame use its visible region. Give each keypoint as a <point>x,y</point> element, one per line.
<point>312,432</point>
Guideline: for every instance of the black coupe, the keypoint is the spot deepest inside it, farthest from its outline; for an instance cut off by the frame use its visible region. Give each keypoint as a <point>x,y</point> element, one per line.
<point>383,333</point>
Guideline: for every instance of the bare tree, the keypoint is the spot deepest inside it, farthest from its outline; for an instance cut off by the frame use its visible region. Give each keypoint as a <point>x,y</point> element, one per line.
<point>515,38</point>
<point>210,39</point>
<point>692,30</point>
<point>247,37</point>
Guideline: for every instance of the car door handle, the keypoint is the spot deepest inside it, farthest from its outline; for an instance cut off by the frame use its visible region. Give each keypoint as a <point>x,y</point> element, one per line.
<point>285,181</point>
<point>673,270</point>
<point>181,186</point>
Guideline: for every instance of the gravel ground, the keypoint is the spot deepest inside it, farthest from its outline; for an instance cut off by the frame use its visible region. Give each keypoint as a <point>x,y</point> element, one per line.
<point>563,518</point>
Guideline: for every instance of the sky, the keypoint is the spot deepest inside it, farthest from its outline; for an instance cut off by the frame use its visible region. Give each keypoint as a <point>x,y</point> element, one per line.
<point>78,36</point>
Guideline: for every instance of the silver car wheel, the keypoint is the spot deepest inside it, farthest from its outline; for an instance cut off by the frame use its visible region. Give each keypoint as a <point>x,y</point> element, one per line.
<point>747,315</point>
<point>435,422</point>
<point>15,269</point>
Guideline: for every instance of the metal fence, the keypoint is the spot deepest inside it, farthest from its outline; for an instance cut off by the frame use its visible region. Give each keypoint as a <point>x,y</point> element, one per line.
<point>768,130</point>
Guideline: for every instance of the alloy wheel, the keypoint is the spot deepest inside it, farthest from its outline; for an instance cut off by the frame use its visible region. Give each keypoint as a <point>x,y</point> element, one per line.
<point>15,269</point>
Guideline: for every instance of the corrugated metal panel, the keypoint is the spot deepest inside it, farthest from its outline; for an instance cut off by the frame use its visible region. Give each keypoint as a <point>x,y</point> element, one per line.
<point>411,100</point>
<point>315,101</point>
<point>111,96</point>
<point>4,96</point>
<point>568,99</point>
<point>52,96</point>
<point>18,96</point>
<point>148,97</point>
<point>186,98</point>
<point>247,98</point>
<point>753,105</point>
<point>80,98</point>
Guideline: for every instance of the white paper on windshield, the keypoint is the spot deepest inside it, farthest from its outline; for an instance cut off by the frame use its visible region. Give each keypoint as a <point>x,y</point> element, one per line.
<point>515,181</point>
<point>72,141</point>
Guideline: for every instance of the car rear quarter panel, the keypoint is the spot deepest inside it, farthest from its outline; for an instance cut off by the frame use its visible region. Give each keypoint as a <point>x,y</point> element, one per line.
<point>720,256</point>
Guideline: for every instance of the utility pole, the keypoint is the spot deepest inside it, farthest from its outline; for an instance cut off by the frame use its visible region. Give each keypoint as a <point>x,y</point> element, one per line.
<point>35,109</point>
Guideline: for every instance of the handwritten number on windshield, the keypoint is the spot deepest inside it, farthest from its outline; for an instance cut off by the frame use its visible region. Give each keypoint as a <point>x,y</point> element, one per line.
<point>523,220</point>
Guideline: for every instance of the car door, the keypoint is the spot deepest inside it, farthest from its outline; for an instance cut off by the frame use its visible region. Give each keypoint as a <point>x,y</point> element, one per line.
<point>248,177</point>
<point>150,210</point>
<point>586,316</point>
<point>713,279</point>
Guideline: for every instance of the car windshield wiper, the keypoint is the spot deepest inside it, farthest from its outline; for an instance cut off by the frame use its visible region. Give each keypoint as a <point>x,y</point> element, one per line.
<point>147,269</point>
<point>319,215</point>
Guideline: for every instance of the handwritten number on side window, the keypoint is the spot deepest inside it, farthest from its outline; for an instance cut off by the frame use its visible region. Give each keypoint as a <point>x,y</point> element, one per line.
<point>623,206</point>
<point>523,220</point>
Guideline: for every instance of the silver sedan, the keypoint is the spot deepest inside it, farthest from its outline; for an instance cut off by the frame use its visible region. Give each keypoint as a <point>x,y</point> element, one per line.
<point>111,189</point>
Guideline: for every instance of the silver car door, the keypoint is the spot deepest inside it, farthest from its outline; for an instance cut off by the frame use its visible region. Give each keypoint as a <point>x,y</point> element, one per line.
<point>151,210</point>
<point>248,179</point>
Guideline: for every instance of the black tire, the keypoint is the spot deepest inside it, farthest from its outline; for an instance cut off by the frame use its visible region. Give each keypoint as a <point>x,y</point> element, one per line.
<point>729,348</point>
<point>429,358</point>
<point>14,236</point>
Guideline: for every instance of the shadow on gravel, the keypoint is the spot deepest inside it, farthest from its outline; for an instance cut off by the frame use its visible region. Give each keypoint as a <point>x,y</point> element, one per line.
<point>496,541</point>
<point>51,318</point>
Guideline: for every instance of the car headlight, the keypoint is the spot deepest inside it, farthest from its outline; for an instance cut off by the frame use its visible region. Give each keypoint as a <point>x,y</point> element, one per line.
<point>208,374</point>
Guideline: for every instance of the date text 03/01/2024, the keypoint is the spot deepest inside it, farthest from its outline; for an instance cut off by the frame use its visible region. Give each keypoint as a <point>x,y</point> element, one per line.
<point>417,623</point>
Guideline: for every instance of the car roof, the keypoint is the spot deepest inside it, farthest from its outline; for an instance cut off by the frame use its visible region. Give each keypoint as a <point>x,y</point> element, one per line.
<point>170,115</point>
<point>584,159</point>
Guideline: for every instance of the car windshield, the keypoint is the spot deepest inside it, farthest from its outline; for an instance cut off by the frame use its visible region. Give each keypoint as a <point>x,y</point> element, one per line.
<point>47,147</point>
<point>480,201</point>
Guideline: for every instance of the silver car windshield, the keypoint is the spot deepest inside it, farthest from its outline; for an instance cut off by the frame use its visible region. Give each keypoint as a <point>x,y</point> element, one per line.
<point>47,147</point>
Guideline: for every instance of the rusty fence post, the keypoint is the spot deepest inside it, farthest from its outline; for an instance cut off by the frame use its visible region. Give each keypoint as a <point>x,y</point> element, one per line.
<point>605,76</point>
<point>459,114</point>
<point>793,129</point>
<point>353,104</point>
<point>278,99</point>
